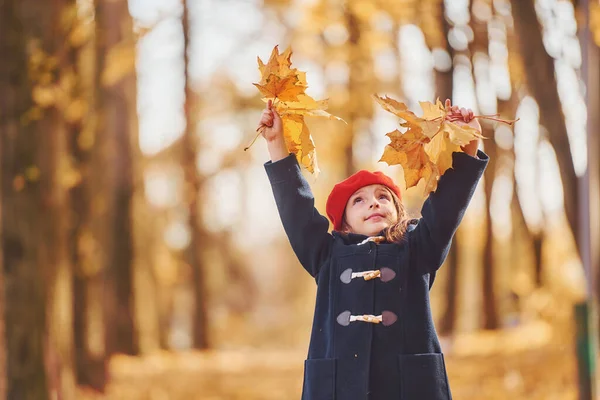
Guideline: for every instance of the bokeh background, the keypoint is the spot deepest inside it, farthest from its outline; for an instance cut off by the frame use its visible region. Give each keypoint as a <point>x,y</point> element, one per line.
<point>142,255</point>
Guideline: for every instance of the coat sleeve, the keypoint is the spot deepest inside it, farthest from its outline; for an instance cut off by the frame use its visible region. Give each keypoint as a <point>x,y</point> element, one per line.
<point>306,229</point>
<point>444,209</point>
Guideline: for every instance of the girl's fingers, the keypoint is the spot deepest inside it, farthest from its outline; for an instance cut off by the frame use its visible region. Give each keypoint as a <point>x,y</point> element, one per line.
<point>275,115</point>
<point>269,104</point>
<point>465,114</point>
<point>266,120</point>
<point>267,114</point>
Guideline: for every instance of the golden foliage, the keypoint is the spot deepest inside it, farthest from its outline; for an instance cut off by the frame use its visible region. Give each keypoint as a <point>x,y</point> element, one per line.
<point>286,86</point>
<point>53,86</point>
<point>487,370</point>
<point>120,63</point>
<point>595,21</point>
<point>425,150</point>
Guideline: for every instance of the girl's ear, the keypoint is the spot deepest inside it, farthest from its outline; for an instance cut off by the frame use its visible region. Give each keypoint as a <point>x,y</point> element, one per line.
<point>345,227</point>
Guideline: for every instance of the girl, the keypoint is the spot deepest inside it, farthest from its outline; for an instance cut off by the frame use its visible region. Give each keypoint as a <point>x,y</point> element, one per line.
<point>373,336</point>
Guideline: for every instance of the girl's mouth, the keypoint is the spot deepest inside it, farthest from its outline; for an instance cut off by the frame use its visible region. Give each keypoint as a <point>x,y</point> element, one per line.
<point>374,216</point>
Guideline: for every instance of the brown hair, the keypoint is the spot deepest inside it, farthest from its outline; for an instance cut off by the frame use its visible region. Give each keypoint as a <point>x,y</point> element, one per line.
<point>395,232</point>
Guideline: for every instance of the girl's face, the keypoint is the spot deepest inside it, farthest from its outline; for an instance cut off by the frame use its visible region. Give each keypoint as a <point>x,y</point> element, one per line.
<point>370,210</point>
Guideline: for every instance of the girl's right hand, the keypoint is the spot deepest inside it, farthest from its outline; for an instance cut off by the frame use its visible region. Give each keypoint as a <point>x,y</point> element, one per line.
<point>270,122</point>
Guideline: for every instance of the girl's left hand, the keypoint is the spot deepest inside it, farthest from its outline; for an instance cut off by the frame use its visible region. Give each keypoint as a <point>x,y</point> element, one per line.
<point>464,116</point>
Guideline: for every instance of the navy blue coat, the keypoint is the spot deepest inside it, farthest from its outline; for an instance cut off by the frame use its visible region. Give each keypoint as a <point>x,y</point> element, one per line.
<point>351,359</point>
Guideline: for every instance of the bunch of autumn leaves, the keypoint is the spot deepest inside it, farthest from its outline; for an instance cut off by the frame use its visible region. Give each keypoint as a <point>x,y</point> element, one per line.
<point>424,150</point>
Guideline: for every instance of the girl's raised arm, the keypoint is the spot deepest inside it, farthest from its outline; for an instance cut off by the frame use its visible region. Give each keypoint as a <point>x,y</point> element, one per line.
<point>272,131</point>
<point>444,209</point>
<point>307,230</point>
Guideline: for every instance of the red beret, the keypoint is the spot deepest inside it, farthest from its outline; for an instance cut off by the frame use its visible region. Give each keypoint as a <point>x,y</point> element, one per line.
<point>336,202</point>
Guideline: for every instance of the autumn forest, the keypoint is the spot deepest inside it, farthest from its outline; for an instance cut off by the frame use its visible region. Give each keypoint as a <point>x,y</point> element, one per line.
<point>142,255</point>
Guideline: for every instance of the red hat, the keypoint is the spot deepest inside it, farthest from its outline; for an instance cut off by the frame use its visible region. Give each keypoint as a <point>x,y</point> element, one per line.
<point>336,202</point>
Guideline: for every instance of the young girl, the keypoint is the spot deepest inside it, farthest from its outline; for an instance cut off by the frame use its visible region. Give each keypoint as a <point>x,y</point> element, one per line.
<point>373,336</point>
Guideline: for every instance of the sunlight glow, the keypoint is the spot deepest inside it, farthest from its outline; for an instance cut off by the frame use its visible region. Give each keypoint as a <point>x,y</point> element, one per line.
<point>416,63</point>
<point>177,235</point>
<point>527,133</point>
<point>500,205</point>
<point>557,18</point>
<point>162,185</point>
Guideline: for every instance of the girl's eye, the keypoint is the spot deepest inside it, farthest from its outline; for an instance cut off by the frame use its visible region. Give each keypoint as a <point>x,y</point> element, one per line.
<point>384,196</point>
<point>356,200</point>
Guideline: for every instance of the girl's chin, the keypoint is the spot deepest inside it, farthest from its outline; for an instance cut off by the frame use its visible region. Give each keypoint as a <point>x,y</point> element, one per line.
<point>374,228</point>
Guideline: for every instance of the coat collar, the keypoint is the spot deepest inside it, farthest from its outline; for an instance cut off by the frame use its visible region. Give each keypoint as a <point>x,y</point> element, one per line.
<point>356,238</point>
<point>350,238</point>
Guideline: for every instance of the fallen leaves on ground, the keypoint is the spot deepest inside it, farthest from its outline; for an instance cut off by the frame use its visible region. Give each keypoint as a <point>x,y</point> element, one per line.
<point>481,365</point>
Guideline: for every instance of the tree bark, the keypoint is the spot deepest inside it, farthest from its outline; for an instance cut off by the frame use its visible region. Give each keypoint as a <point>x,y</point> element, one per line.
<point>116,111</point>
<point>192,189</point>
<point>535,237</point>
<point>2,296</point>
<point>37,268</point>
<point>25,317</point>
<point>56,260</point>
<point>490,308</point>
<point>86,241</point>
<point>541,82</point>
<point>360,86</point>
<point>353,41</point>
<point>444,85</point>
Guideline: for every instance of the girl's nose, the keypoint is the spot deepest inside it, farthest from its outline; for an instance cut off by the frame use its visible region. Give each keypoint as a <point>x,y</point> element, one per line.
<point>374,203</point>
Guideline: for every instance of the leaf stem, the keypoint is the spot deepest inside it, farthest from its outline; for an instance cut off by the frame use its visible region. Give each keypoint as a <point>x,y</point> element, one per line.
<point>260,131</point>
<point>510,122</point>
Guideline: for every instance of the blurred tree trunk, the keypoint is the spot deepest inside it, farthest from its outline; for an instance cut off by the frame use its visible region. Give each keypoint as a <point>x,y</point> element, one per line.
<point>86,240</point>
<point>360,85</point>
<point>146,235</point>
<point>37,268</point>
<point>490,306</point>
<point>117,111</point>
<point>593,90</point>
<point>541,82</point>
<point>354,31</point>
<point>589,36</point>
<point>2,295</point>
<point>444,88</point>
<point>25,312</point>
<point>3,117</point>
<point>55,251</point>
<point>508,109</point>
<point>191,192</point>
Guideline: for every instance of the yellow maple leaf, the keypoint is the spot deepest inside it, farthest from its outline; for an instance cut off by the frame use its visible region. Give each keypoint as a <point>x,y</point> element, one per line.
<point>286,86</point>
<point>278,64</point>
<point>408,151</point>
<point>433,111</point>
<point>429,124</point>
<point>299,141</point>
<point>425,150</point>
<point>460,134</point>
<point>284,89</point>
<point>440,151</point>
